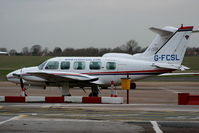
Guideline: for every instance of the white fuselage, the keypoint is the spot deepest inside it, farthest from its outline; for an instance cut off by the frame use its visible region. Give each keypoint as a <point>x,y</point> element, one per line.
<point>107,69</point>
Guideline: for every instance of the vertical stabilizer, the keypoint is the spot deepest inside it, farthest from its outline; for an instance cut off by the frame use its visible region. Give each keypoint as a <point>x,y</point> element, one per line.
<point>173,50</point>
<point>169,46</point>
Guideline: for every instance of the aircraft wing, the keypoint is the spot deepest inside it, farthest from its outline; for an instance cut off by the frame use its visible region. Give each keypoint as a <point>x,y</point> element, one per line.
<point>64,76</point>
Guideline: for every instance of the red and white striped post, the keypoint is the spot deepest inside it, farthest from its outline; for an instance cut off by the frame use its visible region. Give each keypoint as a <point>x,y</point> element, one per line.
<point>113,90</point>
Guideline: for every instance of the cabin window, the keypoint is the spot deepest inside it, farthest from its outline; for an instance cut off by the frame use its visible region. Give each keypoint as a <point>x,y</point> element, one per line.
<point>79,65</point>
<point>65,65</point>
<point>41,66</point>
<point>95,65</point>
<point>110,65</point>
<point>52,65</point>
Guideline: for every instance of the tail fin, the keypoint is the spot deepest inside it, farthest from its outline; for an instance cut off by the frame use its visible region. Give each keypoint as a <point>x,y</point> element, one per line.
<point>169,46</point>
<point>162,36</point>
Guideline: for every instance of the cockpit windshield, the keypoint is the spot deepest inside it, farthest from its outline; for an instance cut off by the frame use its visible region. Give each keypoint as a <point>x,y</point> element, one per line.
<point>41,66</point>
<point>52,65</point>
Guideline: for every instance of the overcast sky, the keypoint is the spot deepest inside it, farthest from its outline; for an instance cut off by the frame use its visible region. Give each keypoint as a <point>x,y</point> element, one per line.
<point>90,23</point>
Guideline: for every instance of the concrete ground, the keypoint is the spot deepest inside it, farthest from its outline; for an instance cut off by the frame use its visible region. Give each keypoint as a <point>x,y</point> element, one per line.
<point>153,108</point>
<point>146,92</point>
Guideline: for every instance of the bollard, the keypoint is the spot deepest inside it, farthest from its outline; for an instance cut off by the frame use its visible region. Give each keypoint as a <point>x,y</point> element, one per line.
<point>126,84</point>
<point>183,98</point>
<point>113,90</point>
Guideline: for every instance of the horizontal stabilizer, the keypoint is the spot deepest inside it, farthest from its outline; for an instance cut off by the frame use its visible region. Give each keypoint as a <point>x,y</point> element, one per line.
<point>171,66</point>
<point>178,74</point>
<point>162,32</point>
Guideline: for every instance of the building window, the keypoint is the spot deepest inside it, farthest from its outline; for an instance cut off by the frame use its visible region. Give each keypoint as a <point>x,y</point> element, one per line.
<point>79,65</point>
<point>95,65</point>
<point>110,65</point>
<point>65,65</point>
<point>52,65</point>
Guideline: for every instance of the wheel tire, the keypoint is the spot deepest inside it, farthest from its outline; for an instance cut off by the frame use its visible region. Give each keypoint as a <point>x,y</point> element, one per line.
<point>133,86</point>
<point>104,87</point>
<point>93,94</point>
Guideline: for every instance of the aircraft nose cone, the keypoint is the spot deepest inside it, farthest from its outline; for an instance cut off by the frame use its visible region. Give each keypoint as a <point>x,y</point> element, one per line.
<point>9,76</point>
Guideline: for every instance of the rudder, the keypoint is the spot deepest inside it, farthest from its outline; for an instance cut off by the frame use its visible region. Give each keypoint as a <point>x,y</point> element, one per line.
<point>173,50</point>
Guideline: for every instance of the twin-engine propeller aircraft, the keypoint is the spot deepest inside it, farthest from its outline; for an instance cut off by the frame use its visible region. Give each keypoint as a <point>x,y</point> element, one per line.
<point>164,55</point>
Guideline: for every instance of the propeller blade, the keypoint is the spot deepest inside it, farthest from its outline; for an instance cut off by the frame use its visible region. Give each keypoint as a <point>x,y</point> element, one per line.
<point>21,83</point>
<point>21,80</point>
<point>23,93</point>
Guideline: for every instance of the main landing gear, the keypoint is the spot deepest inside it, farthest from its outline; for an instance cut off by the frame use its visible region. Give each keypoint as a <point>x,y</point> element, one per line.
<point>66,92</point>
<point>133,86</point>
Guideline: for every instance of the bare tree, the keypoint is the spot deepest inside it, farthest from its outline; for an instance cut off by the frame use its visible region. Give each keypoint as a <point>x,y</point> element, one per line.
<point>131,47</point>
<point>12,52</point>
<point>45,51</point>
<point>69,52</point>
<point>194,51</point>
<point>103,51</point>
<point>36,50</point>
<point>57,51</point>
<point>25,51</point>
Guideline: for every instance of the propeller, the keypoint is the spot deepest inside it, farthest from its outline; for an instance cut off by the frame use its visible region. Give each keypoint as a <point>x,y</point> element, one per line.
<point>23,93</point>
<point>20,76</point>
